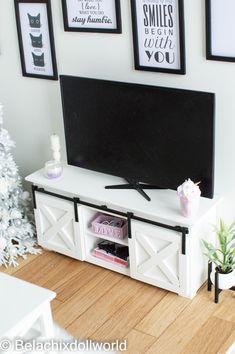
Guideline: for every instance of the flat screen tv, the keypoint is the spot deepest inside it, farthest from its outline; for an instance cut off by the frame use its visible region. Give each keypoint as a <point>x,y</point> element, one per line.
<point>153,135</point>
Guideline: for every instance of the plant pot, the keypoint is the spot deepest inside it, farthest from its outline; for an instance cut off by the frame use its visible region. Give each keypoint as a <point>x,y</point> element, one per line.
<point>225,280</point>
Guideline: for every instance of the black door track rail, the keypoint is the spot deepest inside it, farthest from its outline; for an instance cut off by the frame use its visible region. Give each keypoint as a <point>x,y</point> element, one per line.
<point>129,216</point>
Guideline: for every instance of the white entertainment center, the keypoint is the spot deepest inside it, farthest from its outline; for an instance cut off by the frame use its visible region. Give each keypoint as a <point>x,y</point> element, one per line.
<point>164,247</point>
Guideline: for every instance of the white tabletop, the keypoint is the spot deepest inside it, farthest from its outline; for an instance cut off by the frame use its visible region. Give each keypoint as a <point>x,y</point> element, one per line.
<point>18,299</point>
<point>89,186</point>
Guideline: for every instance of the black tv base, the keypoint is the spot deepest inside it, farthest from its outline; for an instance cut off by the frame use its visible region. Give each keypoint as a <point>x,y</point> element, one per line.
<point>132,184</point>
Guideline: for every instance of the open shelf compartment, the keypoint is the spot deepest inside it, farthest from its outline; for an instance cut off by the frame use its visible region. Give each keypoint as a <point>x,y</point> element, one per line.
<point>92,239</point>
<point>90,214</point>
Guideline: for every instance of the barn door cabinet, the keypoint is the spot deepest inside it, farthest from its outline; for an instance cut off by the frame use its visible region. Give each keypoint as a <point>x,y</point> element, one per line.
<point>159,257</point>
<point>164,247</point>
<point>56,226</point>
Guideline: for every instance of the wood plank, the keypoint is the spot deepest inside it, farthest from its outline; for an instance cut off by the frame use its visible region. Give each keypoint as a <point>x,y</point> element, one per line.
<point>55,304</point>
<point>42,268</point>
<point>105,307</point>
<point>186,325</point>
<point>225,306</point>
<point>22,263</point>
<point>130,309</point>
<point>50,272</point>
<point>163,314</point>
<point>86,297</point>
<point>210,337</point>
<point>138,342</point>
<point>131,313</point>
<point>224,349</point>
<point>73,274</point>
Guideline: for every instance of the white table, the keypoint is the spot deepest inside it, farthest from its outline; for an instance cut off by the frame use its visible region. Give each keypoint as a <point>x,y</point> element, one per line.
<point>21,305</point>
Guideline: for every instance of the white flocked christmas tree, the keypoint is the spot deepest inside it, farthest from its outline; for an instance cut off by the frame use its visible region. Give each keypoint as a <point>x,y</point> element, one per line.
<point>17,231</point>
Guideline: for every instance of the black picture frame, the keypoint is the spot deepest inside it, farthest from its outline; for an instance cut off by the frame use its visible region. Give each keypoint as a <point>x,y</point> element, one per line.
<point>97,13</point>
<point>151,21</point>
<point>220,46</point>
<point>36,39</point>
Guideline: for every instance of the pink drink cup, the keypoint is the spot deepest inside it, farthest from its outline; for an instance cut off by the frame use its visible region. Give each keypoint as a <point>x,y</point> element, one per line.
<point>189,208</point>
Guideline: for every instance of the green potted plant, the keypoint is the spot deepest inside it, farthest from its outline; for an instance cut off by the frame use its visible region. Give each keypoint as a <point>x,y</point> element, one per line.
<point>223,255</point>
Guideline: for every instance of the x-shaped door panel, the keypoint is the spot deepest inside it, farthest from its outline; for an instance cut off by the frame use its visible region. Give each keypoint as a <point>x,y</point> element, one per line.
<point>56,227</point>
<point>155,255</point>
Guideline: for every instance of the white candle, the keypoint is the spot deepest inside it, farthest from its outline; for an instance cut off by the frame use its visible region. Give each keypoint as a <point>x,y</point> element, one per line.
<point>53,169</point>
<point>55,142</point>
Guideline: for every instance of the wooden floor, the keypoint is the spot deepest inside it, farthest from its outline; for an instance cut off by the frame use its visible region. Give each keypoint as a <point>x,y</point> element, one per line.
<point>96,303</point>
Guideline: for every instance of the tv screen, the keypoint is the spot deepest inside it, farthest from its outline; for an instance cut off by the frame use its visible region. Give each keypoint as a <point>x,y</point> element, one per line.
<point>155,135</point>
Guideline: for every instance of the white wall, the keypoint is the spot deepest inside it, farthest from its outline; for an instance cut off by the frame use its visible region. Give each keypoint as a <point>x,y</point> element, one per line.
<point>33,106</point>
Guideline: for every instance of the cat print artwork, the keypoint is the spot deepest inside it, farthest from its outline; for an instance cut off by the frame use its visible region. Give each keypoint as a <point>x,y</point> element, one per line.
<point>34,21</point>
<point>38,60</point>
<point>36,41</point>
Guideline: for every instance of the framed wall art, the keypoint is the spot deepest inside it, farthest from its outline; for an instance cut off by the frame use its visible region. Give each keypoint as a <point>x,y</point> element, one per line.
<point>36,40</point>
<point>92,16</point>
<point>158,35</point>
<point>220,30</point>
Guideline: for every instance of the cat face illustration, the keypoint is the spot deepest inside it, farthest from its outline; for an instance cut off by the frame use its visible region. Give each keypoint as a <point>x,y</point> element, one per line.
<point>38,60</point>
<point>34,21</point>
<point>36,41</point>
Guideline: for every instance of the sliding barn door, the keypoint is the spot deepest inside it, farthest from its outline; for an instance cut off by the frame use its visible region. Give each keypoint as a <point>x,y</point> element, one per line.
<point>56,226</point>
<point>155,256</point>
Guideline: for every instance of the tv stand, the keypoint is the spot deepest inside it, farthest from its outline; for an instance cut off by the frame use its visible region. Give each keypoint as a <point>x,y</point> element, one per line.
<point>164,247</point>
<point>132,184</point>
